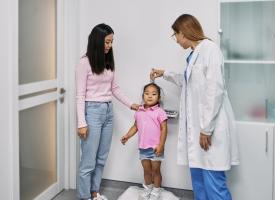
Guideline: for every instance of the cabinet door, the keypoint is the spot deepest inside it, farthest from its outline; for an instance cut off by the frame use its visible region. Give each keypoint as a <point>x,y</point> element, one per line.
<point>253,178</point>
<point>247,30</point>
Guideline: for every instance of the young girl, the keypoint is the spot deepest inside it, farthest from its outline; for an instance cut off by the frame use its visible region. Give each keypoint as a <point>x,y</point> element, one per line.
<point>151,125</point>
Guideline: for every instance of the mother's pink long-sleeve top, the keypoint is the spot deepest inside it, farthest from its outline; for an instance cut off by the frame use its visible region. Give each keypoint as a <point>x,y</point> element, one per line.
<point>94,87</point>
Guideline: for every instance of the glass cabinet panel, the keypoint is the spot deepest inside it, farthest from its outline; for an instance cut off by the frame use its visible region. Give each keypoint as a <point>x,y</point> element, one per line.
<point>247,30</point>
<point>251,90</point>
<point>247,39</point>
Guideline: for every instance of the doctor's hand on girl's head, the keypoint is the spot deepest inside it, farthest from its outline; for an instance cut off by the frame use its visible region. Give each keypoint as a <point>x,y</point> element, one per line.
<point>205,141</point>
<point>82,132</point>
<point>155,73</point>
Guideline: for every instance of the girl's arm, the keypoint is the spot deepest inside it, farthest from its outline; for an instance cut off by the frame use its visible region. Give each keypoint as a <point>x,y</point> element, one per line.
<point>132,131</point>
<point>163,135</point>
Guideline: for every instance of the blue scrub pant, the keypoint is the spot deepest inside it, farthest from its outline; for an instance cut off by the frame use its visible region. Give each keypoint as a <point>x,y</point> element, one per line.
<point>209,185</point>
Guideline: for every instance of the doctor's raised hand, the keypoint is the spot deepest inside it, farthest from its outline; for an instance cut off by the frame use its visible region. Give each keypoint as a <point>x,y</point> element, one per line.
<point>155,73</point>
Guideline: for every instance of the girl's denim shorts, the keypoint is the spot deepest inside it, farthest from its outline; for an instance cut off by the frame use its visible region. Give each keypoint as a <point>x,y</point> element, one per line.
<point>149,154</point>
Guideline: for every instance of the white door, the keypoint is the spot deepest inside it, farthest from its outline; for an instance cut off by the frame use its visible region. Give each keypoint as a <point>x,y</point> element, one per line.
<point>253,178</point>
<point>41,97</point>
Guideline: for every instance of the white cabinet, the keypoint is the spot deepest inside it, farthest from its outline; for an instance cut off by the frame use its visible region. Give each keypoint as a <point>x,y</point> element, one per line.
<point>247,39</point>
<point>253,178</point>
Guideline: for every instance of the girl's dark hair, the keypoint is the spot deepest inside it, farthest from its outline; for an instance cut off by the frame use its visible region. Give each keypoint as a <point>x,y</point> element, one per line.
<point>95,49</point>
<point>153,85</point>
<point>190,27</point>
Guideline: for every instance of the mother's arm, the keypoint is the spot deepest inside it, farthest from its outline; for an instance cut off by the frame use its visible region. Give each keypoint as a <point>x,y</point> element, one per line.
<point>119,95</point>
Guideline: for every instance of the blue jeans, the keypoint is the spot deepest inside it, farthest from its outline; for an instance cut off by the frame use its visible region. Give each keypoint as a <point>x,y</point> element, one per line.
<point>149,154</point>
<point>209,185</point>
<point>95,148</point>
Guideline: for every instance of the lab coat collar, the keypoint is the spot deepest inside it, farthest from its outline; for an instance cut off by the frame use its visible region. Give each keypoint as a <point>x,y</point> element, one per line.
<point>193,59</point>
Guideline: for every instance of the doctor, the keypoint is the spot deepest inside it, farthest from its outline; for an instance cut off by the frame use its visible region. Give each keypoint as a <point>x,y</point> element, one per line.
<point>207,136</point>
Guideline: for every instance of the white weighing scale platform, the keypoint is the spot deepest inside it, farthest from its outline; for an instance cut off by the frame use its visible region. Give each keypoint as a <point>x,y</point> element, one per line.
<point>132,193</point>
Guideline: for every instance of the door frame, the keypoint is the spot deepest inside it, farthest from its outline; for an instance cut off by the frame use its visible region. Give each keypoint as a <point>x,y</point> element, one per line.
<point>67,55</point>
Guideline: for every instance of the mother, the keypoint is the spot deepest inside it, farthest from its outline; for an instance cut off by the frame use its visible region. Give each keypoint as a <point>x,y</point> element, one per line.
<point>95,85</point>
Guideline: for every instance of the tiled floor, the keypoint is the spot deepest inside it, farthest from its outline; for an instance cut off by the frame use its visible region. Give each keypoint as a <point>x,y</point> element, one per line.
<point>113,189</point>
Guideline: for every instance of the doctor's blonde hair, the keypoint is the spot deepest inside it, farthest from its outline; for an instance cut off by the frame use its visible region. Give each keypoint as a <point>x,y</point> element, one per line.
<point>190,27</point>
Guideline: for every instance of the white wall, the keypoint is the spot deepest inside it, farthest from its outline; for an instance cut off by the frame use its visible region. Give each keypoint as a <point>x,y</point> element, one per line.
<point>9,182</point>
<point>71,49</point>
<point>142,41</point>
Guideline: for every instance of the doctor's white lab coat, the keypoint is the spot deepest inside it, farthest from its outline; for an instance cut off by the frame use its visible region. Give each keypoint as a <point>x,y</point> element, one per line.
<point>205,107</point>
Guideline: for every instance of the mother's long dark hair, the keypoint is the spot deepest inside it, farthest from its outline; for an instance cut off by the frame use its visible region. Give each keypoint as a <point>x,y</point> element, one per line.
<point>95,49</point>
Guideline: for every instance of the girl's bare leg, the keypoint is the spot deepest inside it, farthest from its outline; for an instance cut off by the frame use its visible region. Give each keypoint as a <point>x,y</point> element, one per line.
<point>147,168</point>
<point>156,173</point>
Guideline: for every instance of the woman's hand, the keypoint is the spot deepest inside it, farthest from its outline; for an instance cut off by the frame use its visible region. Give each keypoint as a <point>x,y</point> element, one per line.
<point>155,73</point>
<point>124,139</point>
<point>82,132</point>
<point>135,106</point>
<point>159,150</point>
<point>205,141</point>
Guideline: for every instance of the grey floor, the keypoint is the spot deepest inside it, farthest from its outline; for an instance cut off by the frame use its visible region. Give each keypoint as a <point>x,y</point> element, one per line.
<point>113,189</point>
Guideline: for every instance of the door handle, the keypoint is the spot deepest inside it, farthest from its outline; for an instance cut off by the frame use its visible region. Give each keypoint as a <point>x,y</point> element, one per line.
<point>220,32</point>
<point>266,141</point>
<point>62,91</point>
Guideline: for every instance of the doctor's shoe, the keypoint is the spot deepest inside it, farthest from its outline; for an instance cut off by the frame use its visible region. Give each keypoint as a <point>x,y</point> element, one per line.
<point>155,194</point>
<point>100,197</point>
<point>145,193</point>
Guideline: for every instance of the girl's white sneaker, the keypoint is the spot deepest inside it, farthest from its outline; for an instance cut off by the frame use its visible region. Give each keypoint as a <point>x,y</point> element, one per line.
<point>155,194</point>
<point>145,193</point>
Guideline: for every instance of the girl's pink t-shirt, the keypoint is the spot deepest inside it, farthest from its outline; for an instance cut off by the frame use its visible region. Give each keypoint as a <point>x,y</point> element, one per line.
<point>148,123</point>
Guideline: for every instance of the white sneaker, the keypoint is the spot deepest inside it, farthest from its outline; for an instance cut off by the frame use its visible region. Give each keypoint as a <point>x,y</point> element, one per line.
<point>100,197</point>
<point>145,193</point>
<point>155,194</point>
